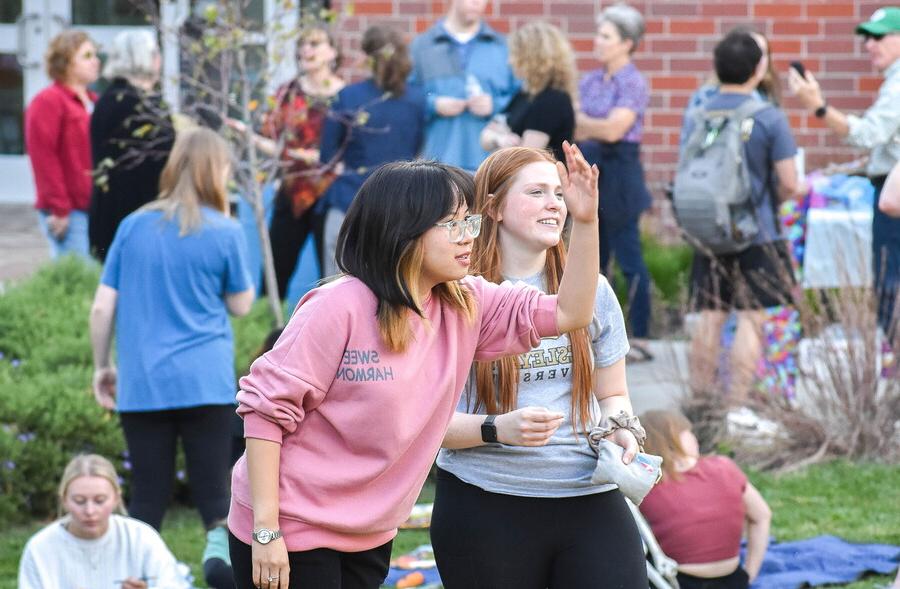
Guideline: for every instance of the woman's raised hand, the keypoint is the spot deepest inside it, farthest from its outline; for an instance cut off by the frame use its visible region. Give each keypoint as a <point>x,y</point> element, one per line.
<point>580,184</point>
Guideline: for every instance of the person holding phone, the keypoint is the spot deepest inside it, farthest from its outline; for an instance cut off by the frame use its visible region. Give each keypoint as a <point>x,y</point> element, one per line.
<point>878,130</point>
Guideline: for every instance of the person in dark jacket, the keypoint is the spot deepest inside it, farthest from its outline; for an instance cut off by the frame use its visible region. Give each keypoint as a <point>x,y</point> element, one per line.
<point>131,137</point>
<point>372,122</point>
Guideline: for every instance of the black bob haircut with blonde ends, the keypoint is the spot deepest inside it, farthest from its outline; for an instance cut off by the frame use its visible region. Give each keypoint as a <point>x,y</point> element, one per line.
<point>379,241</point>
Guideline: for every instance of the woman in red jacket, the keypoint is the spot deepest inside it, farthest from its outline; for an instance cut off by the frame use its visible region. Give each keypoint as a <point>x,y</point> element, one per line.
<point>57,139</point>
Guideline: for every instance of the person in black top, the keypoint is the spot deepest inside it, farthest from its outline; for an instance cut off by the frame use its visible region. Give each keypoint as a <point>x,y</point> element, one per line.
<point>541,114</point>
<point>131,137</point>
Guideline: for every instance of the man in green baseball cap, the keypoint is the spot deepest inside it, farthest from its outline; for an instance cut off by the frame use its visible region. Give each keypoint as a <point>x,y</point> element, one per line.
<point>878,130</point>
<point>884,21</point>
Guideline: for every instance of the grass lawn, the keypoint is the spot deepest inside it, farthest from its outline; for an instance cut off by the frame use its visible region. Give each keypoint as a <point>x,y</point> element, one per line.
<point>856,502</point>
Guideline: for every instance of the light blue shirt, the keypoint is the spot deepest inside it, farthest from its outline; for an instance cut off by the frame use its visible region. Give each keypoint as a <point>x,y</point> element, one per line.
<point>173,338</point>
<point>441,67</point>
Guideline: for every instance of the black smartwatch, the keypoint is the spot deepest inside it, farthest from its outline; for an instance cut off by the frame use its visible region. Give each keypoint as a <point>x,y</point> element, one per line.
<point>821,111</point>
<point>489,430</point>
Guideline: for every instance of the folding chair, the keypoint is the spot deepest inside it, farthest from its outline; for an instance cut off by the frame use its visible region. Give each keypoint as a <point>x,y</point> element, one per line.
<point>661,570</point>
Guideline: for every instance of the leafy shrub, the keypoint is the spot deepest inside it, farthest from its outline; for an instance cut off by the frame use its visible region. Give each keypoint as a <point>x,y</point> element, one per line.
<point>47,410</point>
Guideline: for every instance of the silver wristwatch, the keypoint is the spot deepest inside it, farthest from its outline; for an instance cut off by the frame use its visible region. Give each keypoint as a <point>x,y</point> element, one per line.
<point>264,536</point>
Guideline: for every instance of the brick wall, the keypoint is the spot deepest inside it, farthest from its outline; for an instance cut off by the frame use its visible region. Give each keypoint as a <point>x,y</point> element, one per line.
<point>675,55</point>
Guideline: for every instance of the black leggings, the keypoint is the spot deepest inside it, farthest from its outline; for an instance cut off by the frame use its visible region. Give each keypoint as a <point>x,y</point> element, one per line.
<point>288,234</point>
<point>487,540</point>
<point>321,568</point>
<point>152,436</point>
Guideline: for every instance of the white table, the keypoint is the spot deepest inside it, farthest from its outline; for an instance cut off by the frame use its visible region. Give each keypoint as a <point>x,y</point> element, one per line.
<point>838,248</point>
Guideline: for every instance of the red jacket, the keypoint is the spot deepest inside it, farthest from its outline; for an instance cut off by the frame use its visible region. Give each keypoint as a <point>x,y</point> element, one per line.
<point>57,138</point>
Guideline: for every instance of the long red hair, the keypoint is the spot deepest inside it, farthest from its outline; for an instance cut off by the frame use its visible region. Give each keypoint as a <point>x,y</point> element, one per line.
<point>497,382</point>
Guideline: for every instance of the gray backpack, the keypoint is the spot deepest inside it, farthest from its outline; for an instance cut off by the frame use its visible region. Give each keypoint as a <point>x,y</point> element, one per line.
<point>712,195</point>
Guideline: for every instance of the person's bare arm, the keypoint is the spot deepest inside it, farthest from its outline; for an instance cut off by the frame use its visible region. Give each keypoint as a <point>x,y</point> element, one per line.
<point>578,287</point>
<point>808,92</point>
<point>528,426</point>
<point>240,303</point>
<point>790,186</point>
<point>102,322</point>
<point>263,464</point>
<point>611,129</point>
<point>611,391</point>
<point>536,139</point>
<point>889,201</point>
<point>759,518</point>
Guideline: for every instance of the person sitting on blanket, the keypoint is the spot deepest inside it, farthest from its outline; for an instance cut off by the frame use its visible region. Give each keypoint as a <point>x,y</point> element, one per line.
<point>698,510</point>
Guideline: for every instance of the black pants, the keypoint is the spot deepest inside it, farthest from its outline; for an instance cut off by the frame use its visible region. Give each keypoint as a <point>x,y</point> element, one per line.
<point>487,540</point>
<point>321,568</point>
<point>886,264</point>
<point>152,436</point>
<point>736,580</point>
<point>288,234</point>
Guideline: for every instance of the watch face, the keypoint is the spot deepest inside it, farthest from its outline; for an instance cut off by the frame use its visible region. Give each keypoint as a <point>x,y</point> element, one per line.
<point>263,536</point>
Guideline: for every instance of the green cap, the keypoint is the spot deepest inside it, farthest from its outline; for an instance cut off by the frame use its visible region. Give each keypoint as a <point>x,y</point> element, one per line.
<point>883,21</point>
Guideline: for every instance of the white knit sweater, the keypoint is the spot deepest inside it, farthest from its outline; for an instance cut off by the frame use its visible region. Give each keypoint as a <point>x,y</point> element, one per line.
<point>55,559</point>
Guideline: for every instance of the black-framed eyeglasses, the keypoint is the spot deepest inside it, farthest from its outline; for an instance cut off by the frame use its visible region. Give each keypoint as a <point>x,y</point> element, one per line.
<point>457,230</point>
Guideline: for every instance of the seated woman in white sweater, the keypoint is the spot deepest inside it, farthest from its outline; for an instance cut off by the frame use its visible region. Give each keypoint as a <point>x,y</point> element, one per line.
<point>90,546</point>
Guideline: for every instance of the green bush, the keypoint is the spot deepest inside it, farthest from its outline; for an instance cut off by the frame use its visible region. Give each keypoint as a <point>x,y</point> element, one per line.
<point>47,410</point>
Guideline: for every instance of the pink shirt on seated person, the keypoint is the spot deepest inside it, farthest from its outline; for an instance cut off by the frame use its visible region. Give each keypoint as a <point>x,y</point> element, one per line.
<point>359,425</point>
<point>699,518</point>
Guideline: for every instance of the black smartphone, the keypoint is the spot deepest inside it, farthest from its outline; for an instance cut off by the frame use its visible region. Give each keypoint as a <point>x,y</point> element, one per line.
<point>799,67</point>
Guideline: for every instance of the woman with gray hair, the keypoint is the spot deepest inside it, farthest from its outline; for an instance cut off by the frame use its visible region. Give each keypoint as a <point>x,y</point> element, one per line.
<point>608,129</point>
<point>131,136</point>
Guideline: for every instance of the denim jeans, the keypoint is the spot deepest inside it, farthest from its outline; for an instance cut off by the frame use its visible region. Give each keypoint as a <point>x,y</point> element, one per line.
<point>75,241</point>
<point>624,244</point>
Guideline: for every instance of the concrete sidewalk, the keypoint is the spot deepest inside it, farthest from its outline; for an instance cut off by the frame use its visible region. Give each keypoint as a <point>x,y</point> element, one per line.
<point>22,247</point>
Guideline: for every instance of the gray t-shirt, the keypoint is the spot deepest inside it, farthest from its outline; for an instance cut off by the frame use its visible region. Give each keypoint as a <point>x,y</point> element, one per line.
<point>564,466</point>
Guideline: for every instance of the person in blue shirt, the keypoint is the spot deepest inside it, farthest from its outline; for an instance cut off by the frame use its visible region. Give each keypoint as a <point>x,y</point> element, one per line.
<point>463,67</point>
<point>175,269</point>
<point>372,122</point>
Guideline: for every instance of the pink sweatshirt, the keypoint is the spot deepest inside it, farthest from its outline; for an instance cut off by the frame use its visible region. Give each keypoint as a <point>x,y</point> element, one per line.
<point>359,425</point>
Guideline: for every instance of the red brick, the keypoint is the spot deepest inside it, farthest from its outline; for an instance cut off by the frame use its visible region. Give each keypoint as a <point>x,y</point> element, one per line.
<point>582,25</point>
<point>680,65</point>
<point>833,83</point>
<point>582,44</point>
<point>692,27</point>
<point>676,8</point>
<point>674,83</point>
<point>793,47</point>
<point>422,25</point>
<point>648,63</point>
<point>845,28</point>
<point>663,45</point>
<point>869,83</point>
<point>412,8</point>
<point>499,24</point>
<point>778,9</point>
<point>571,9</point>
<point>830,9</point>
<point>835,45</point>
<point>654,26</point>
<point>666,156</point>
<point>795,27</point>
<point>518,7</point>
<point>861,65</point>
<point>679,101</point>
<point>724,9</point>
<point>653,138</point>
<point>668,118</point>
<point>372,7</point>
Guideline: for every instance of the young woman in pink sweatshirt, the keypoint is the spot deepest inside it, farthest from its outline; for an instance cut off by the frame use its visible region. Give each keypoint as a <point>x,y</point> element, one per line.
<point>343,417</point>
